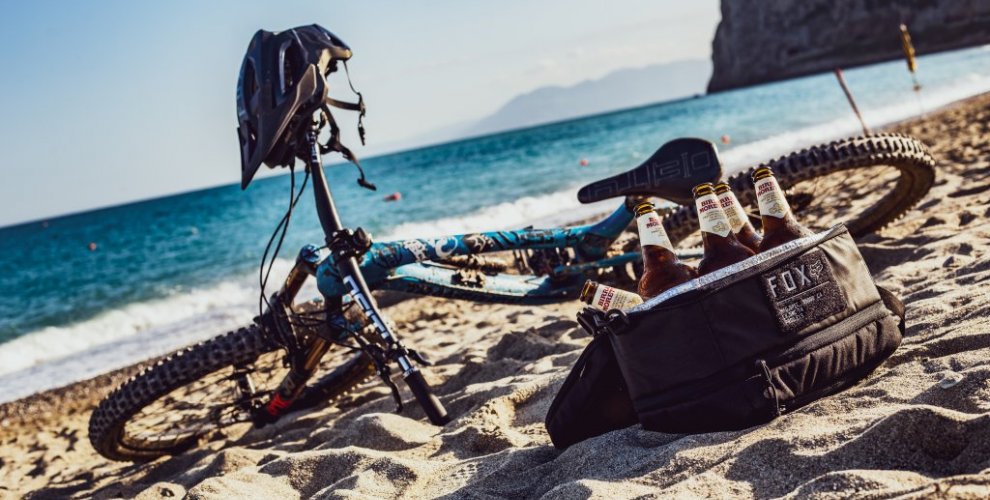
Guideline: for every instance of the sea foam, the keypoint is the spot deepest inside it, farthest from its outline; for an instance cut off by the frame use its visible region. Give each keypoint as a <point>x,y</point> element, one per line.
<point>56,356</point>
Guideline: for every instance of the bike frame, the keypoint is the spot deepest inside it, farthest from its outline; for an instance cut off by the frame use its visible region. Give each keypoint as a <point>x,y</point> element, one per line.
<point>405,265</point>
<point>351,265</point>
<point>344,248</point>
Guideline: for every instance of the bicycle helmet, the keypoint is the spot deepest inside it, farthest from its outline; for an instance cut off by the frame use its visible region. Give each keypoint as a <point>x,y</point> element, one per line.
<point>282,83</point>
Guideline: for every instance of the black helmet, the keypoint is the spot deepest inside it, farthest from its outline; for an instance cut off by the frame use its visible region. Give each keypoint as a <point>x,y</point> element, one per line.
<point>282,83</point>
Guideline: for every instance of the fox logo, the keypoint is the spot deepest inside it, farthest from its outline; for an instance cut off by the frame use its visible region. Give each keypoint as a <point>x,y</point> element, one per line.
<point>803,291</point>
<point>789,281</point>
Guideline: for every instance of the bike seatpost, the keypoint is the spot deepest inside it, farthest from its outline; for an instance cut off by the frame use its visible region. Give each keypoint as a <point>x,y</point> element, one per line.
<point>350,272</point>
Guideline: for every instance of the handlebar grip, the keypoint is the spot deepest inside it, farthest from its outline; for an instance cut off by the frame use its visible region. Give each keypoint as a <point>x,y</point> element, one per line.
<point>430,403</point>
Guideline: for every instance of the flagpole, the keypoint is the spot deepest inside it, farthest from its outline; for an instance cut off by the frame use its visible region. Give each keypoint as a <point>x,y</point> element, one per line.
<point>849,97</point>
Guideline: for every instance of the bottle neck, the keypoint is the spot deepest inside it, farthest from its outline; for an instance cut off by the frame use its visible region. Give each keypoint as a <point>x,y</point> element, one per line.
<point>652,233</point>
<point>711,217</point>
<point>738,218</point>
<point>771,200</point>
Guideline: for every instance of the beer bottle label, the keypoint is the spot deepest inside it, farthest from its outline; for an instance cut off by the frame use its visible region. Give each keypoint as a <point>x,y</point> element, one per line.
<point>607,298</point>
<point>651,231</point>
<point>771,199</point>
<point>733,210</point>
<point>711,216</point>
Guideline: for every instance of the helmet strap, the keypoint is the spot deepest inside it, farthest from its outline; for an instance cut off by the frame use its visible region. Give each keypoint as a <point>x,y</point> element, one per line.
<point>333,144</point>
<point>351,106</point>
<point>347,72</point>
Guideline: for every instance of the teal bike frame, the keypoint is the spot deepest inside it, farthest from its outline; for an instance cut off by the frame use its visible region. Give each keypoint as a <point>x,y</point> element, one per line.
<point>408,266</point>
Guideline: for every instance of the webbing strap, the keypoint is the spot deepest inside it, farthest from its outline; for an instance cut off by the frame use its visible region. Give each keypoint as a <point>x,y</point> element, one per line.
<point>597,322</point>
<point>894,304</point>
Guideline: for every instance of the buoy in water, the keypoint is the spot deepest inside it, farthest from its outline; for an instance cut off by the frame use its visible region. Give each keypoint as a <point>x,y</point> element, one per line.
<point>726,139</point>
<point>396,196</point>
<point>584,162</point>
<point>92,246</point>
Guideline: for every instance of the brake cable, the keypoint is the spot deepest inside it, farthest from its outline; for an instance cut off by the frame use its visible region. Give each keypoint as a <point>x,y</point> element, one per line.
<point>263,274</point>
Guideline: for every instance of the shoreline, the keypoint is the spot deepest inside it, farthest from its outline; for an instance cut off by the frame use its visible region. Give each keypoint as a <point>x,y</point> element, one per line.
<point>80,386</point>
<point>499,366</point>
<point>128,346</point>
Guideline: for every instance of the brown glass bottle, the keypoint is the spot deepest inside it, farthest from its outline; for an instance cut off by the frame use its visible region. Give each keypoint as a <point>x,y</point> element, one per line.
<point>779,224</point>
<point>606,298</point>
<point>738,219</point>
<point>721,246</point>
<point>661,267</point>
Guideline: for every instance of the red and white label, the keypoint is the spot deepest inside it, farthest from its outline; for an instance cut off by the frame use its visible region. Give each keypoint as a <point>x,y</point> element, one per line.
<point>771,199</point>
<point>651,231</point>
<point>711,217</point>
<point>607,298</point>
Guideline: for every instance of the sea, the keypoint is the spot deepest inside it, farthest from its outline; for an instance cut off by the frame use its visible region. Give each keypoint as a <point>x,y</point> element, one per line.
<point>171,271</point>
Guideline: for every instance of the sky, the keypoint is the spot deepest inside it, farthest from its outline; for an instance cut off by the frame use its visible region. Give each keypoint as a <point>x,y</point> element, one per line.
<point>104,102</point>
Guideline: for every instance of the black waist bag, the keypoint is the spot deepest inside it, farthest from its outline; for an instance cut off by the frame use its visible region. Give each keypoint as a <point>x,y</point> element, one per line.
<point>742,345</point>
<point>592,400</point>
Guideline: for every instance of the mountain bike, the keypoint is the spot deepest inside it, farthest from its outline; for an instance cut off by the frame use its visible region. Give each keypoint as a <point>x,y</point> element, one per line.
<point>300,354</point>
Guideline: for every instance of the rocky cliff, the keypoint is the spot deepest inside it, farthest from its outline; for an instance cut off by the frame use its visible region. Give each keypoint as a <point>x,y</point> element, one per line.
<point>764,40</point>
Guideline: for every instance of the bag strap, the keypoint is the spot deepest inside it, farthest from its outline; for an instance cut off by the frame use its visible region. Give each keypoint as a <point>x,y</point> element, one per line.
<point>597,322</point>
<point>894,304</point>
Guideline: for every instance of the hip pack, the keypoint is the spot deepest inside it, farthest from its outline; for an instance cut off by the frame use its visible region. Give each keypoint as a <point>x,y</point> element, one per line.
<point>737,347</point>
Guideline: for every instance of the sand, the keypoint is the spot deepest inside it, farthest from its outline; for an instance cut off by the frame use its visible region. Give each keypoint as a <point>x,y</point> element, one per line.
<point>918,427</point>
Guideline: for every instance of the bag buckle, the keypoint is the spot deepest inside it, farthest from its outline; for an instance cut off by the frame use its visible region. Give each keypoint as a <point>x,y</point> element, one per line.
<point>597,322</point>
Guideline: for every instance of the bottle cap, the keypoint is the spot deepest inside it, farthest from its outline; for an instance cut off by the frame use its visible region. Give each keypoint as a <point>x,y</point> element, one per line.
<point>644,208</point>
<point>703,189</point>
<point>587,291</point>
<point>722,187</point>
<point>762,173</point>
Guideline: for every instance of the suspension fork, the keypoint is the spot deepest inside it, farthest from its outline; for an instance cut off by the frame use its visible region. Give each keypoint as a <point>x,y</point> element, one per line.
<point>304,361</point>
<point>345,246</point>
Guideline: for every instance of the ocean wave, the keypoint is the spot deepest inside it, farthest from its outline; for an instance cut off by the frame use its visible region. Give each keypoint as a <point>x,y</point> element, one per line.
<point>56,356</point>
<point>539,211</point>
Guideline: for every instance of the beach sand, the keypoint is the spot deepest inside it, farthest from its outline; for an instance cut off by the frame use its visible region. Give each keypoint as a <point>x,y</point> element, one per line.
<point>918,427</point>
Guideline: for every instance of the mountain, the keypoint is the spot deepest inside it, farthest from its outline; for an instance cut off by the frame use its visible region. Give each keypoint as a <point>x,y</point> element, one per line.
<point>759,41</point>
<point>624,88</point>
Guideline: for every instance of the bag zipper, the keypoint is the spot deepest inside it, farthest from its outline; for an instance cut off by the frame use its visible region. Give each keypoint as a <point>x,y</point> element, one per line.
<point>832,334</point>
<point>744,370</point>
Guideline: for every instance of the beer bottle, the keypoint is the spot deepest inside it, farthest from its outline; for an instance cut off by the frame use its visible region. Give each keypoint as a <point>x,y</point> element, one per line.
<point>721,246</point>
<point>606,298</point>
<point>741,227</point>
<point>661,267</point>
<point>779,224</point>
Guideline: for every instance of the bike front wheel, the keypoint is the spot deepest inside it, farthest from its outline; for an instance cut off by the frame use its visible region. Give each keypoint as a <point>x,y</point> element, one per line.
<point>206,388</point>
<point>863,182</point>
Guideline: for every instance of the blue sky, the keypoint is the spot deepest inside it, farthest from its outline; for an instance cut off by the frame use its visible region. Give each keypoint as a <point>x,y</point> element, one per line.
<point>110,101</point>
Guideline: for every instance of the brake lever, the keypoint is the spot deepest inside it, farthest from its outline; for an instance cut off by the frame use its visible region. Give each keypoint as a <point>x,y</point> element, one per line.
<point>384,372</point>
<point>417,357</point>
<point>386,375</point>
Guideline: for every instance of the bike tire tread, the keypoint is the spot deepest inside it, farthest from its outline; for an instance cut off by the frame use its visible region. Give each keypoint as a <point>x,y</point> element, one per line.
<point>180,368</point>
<point>911,157</point>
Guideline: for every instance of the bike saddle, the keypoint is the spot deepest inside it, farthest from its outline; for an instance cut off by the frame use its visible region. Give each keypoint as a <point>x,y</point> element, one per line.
<point>670,173</point>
